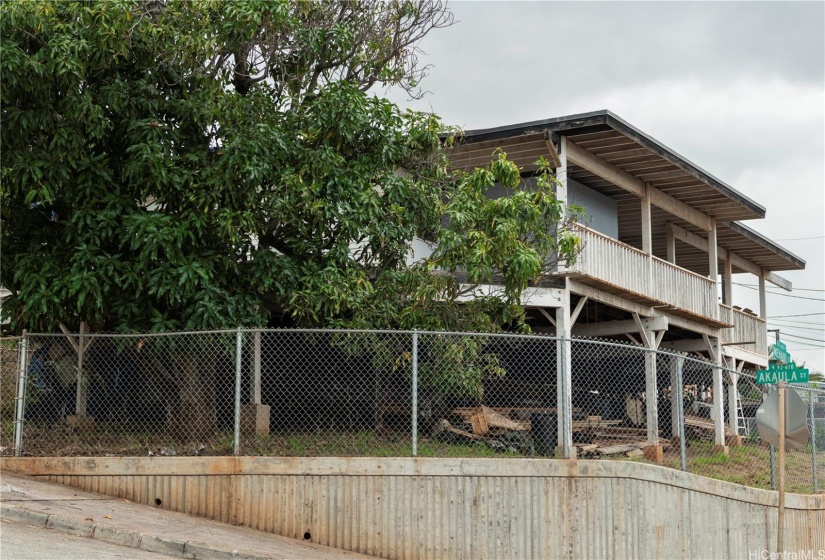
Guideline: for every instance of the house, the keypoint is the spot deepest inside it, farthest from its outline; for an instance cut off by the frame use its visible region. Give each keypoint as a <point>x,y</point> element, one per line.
<point>660,232</point>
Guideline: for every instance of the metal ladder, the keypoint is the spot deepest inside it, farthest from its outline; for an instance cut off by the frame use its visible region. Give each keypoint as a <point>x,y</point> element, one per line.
<point>741,425</point>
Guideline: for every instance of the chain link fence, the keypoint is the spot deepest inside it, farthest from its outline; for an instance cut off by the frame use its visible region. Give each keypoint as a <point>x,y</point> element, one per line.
<point>9,366</point>
<point>299,392</point>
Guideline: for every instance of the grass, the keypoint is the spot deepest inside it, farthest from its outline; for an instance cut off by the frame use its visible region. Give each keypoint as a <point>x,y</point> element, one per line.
<point>748,465</point>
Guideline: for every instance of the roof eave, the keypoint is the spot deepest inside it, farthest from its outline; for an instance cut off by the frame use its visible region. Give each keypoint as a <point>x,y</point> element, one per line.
<point>605,119</point>
<point>796,262</point>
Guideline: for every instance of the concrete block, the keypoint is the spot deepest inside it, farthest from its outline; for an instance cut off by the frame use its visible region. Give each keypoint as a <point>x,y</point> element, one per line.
<point>734,441</point>
<point>151,543</point>
<point>654,454</point>
<point>192,550</point>
<point>70,526</point>
<point>723,449</point>
<point>117,536</point>
<point>255,419</point>
<point>559,454</point>
<point>24,516</point>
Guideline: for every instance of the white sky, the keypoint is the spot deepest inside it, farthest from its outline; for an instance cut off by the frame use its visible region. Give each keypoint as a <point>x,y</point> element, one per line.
<point>738,88</point>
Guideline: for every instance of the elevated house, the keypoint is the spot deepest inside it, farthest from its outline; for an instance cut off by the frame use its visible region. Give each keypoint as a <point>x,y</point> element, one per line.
<point>660,232</point>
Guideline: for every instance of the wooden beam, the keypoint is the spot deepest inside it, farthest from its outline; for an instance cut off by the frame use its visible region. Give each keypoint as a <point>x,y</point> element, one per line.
<point>628,182</point>
<point>605,170</point>
<point>547,316</point>
<point>643,334</point>
<point>579,307</point>
<point>680,209</point>
<point>612,328</point>
<point>686,345</point>
<point>554,155</point>
<point>777,280</point>
<point>710,348</point>
<point>701,243</point>
<point>70,337</point>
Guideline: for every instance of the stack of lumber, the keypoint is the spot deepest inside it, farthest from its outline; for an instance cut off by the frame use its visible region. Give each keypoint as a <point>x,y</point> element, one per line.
<point>614,440</point>
<point>702,427</point>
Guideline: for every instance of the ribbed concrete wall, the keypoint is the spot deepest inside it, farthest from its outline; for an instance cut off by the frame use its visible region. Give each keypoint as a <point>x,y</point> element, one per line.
<point>460,508</point>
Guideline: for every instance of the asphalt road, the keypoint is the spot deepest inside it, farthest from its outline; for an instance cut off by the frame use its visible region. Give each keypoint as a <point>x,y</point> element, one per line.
<point>25,542</point>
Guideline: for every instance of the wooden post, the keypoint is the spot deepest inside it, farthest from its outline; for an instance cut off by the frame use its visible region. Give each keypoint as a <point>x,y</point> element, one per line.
<point>561,188</point>
<point>647,233</point>
<point>780,528</point>
<point>676,393</point>
<point>82,384</point>
<point>671,245</point>
<point>651,339</point>
<point>255,416</point>
<point>717,408</point>
<point>564,399</point>
<point>255,396</point>
<point>763,308</point>
<point>733,401</point>
<point>727,291</point>
<point>713,258</point>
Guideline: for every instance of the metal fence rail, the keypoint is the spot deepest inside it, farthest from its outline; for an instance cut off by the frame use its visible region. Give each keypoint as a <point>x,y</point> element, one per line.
<point>389,393</point>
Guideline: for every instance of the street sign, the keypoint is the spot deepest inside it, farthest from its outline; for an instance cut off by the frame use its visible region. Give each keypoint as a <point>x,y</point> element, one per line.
<point>780,353</point>
<point>796,420</point>
<point>776,373</point>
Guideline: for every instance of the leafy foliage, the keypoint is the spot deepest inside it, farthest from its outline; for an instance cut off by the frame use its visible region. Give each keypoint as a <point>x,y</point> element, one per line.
<point>187,164</point>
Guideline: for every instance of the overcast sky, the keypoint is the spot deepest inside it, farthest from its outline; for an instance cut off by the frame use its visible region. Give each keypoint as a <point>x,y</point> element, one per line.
<point>738,88</point>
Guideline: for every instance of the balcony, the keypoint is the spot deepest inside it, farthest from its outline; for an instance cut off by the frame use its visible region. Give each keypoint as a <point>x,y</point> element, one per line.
<point>615,267</point>
<point>749,332</point>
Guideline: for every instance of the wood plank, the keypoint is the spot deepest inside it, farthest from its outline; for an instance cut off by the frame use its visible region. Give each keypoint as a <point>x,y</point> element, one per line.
<point>624,448</point>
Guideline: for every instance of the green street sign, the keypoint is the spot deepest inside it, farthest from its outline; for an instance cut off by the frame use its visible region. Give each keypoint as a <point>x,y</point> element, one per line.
<point>780,352</point>
<point>775,373</point>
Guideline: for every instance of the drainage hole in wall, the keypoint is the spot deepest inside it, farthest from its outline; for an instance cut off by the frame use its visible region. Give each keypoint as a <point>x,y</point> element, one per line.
<point>307,536</point>
<point>158,502</point>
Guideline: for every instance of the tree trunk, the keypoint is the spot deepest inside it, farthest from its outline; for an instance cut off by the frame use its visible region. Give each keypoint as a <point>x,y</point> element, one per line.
<point>193,418</point>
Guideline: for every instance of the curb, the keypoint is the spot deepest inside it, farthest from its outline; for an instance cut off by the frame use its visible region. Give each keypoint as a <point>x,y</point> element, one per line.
<point>122,537</point>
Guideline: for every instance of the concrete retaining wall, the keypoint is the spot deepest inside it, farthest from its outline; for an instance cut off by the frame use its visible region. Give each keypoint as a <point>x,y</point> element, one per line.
<point>401,508</point>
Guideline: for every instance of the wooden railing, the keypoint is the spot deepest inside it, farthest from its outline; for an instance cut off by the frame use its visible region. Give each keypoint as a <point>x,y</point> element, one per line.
<point>749,331</point>
<point>625,267</point>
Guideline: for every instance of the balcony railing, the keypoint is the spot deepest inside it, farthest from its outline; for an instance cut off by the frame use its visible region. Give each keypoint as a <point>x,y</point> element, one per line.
<point>749,331</point>
<point>619,268</point>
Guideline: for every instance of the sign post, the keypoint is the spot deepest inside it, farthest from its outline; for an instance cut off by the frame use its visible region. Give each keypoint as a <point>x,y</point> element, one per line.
<point>781,375</point>
<point>780,529</point>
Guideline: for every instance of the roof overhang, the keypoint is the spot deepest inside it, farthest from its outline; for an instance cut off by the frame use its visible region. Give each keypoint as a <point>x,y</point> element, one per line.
<point>610,138</point>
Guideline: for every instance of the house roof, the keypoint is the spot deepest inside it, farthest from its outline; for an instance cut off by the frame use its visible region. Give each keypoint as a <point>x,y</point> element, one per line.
<point>614,140</point>
<point>609,137</point>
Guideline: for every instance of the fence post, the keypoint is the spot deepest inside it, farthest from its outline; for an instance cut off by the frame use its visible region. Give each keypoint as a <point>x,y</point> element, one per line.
<point>680,407</point>
<point>813,439</point>
<point>238,350</point>
<point>773,467</point>
<point>415,393</point>
<point>20,407</point>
